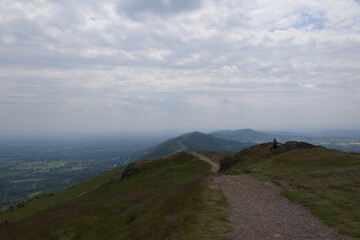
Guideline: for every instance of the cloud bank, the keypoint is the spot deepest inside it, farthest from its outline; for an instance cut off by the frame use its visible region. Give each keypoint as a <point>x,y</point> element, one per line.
<point>171,64</point>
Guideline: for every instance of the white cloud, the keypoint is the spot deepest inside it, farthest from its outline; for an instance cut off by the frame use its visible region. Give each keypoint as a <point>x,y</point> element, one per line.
<point>308,85</point>
<point>229,69</point>
<point>207,102</point>
<point>111,52</point>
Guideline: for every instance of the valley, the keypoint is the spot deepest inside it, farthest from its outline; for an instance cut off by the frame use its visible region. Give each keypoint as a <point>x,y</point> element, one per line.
<point>31,165</point>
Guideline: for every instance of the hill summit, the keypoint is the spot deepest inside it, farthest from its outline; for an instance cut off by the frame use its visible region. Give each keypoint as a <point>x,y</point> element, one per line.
<point>194,141</point>
<point>243,135</point>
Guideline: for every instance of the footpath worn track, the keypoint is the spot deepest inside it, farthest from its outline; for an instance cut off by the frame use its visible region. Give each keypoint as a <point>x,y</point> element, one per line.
<point>259,211</point>
<point>214,166</point>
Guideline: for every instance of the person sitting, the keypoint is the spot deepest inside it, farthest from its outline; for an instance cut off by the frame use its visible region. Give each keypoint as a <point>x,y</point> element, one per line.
<point>275,144</point>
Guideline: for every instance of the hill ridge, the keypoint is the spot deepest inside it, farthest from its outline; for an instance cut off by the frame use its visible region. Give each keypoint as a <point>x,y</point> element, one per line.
<point>194,141</point>
<point>167,197</point>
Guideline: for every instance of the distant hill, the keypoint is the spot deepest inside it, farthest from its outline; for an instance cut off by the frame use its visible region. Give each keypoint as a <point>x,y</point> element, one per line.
<point>243,135</point>
<point>250,135</point>
<point>341,133</point>
<point>194,141</point>
<point>344,140</point>
<point>284,133</point>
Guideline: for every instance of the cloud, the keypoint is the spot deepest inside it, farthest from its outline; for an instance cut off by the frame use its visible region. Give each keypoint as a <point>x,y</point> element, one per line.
<point>132,57</point>
<point>229,69</point>
<point>308,85</point>
<point>203,101</point>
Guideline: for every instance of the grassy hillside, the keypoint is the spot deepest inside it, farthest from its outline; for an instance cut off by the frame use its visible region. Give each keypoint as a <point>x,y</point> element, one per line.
<point>194,141</point>
<point>324,180</point>
<point>162,198</point>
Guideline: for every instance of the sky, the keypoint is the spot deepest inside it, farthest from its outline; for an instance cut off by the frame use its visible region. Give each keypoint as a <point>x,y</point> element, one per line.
<point>154,65</point>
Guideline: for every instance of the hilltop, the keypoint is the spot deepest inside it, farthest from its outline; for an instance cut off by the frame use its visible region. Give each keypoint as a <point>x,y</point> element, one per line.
<point>243,135</point>
<point>324,180</point>
<point>194,141</point>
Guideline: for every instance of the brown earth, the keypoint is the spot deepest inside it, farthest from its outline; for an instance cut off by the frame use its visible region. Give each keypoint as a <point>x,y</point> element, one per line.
<point>259,211</point>
<point>214,166</point>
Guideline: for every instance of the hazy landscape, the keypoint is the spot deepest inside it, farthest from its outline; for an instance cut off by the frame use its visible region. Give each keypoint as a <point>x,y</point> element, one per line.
<point>169,197</point>
<point>179,119</point>
<point>31,165</point>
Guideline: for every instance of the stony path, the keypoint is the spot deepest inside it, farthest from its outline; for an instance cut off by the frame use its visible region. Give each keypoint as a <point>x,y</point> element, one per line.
<point>258,211</point>
<point>214,166</point>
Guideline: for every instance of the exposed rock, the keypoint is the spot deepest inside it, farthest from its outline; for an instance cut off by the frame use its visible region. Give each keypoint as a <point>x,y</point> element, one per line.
<point>291,145</point>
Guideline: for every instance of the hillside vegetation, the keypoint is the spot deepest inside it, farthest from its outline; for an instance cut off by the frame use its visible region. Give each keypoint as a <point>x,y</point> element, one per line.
<point>194,141</point>
<point>324,180</point>
<point>163,198</point>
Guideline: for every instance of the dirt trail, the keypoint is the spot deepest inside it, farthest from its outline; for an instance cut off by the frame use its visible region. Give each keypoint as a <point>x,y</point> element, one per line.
<point>258,211</point>
<point>214,166</point>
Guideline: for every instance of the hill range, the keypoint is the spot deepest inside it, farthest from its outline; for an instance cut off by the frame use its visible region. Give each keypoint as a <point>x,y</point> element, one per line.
<point>343,140</point>
<point>242,135</point>
<point>194,141</point>
<point>236,140</point>
<point>169,197</point>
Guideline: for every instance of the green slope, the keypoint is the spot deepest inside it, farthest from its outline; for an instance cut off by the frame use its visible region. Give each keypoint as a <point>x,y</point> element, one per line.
<point>324,180</point>
<point>158,199</point>
<point>194,141</point>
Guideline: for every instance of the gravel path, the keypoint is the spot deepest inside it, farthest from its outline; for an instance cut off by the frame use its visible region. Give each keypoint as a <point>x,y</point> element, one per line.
<point>258,211</point>
<point>214,166</point>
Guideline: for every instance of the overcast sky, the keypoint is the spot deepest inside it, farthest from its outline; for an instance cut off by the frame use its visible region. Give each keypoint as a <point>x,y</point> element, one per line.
<point>136,65</point>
